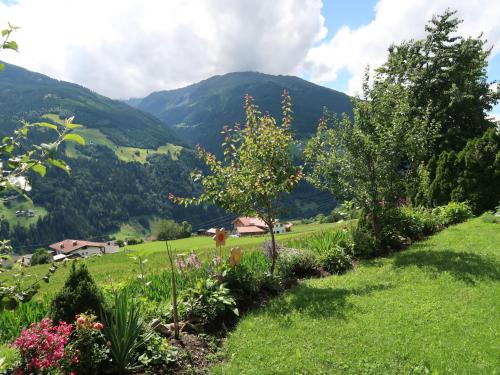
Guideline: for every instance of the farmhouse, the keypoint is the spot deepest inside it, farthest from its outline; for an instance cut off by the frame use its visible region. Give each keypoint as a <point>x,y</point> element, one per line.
<point>245,226</point>
<point>79,248</point>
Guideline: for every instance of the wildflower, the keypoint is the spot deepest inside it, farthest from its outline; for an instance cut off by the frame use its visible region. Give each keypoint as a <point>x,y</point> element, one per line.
<point>193,261</point>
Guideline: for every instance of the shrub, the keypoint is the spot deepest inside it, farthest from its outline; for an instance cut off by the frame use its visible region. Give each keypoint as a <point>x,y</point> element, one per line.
<point>364,242</point>
<point>207,301</point>
<point>41,256</point>
<point>134,241</point>
<point>158,351</point>
<point>324,241</point>
<point>80,294</point>
<point>336,260</point>
<point>89,342</point>
<point>125,330</point>
<point>170,230</point>
<point>293,263</point>
<point>43,347</point>
<point>242,283</point>
<point>453,213</point>
<point>489,217</point>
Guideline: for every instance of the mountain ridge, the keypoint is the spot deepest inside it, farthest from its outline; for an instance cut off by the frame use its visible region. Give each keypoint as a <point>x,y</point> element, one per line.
<point>198,112</point>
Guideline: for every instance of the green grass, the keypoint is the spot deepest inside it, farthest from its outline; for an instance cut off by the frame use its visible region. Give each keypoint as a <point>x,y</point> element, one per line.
<point>128,154</point>
<point>8,212</point>
<point>120,266</point>
<point>132,229</point>
<point>433,308</point>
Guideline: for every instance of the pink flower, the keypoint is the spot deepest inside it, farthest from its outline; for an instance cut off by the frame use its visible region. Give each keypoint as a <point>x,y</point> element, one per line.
<point>98,326</point>
<point>80,319</point>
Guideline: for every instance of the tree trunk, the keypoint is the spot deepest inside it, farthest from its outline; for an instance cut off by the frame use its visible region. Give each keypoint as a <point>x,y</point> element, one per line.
<point>274,252</point>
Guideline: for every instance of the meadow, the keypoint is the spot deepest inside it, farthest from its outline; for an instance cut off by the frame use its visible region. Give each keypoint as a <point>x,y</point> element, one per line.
<point>431,309</point>
<point>121,266</point>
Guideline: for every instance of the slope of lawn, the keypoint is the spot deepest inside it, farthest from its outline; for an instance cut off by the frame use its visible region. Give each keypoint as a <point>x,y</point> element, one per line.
<point>434,308</point>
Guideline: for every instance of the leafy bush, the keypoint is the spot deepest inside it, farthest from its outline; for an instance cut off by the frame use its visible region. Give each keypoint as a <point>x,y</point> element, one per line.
<point>80,294</point>
<point>336,260</point>
<point>294,263</point>
<point>158,351</point>
<point>170,230</point>
<point>134,241</point>
<point>125,330</point>
<point>41,256</point>
<point>489,217</point>
<point>242,283</point>
<point>89,342</point>
<point>364,242</point>
<point>207,301</point>
<point>9,359</point>
<point>453,213</point>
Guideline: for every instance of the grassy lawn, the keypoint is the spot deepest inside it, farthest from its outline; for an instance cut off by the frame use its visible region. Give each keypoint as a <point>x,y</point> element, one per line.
<point>434,308</point>
<point>8,212</point>
<point>121,266</point>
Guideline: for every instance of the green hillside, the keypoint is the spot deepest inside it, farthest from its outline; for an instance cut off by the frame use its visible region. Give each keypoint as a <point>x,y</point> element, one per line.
<point>198,112</point>
<point>121,178</point>
<point>28,95</point>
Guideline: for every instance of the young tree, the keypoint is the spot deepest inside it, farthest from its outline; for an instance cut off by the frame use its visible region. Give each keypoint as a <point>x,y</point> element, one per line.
<point>370,159</point>
<point>256,171</point>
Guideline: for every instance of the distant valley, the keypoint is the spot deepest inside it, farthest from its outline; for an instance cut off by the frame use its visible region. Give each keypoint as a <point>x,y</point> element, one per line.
<point>139,151</point>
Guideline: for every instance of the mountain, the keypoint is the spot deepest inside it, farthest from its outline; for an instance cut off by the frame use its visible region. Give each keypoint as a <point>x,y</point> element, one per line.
<point>121,178</point>
<point>198,112</point>
<point>28,95</point>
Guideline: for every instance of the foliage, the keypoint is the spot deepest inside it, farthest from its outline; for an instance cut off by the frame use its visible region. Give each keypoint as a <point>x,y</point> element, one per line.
<point>170,230</point>
<point>158,351</point>
<point>452,276</point>
<point>40,256</point>
<point>125,330</point>
<point>257,168</point>
<point>208,301</point>
<point>453,213</point>
<point>80,294</point>
<point>43,347</point>
<point>472,174</point>
<point>242,282</point>
<point>12,322</point>
<point>445,76</point>
<point>371,159</point>
<point>336,259</point>
<point>9,359</point>
<point>295,263</point>
<point>88,341</point>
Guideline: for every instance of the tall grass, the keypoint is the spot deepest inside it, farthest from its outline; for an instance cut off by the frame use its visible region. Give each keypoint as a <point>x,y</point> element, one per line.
<point>321,242</point>
<point>12,322</point>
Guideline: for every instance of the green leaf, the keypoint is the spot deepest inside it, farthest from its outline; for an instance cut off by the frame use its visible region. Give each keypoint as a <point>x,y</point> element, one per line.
<point>45,125</point>
<point>40,169</point>
<point>59,164</point>
<point>1,66</point>
<point>74,138</point>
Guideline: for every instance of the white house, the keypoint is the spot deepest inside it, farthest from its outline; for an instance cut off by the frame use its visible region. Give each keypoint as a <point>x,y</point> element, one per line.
<point>279,227</point>
<point>79,248</point>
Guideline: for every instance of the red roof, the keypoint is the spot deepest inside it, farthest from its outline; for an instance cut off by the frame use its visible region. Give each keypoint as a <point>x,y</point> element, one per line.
<point>67,246</point>
<point>250,229</point>
<point>250,221</point>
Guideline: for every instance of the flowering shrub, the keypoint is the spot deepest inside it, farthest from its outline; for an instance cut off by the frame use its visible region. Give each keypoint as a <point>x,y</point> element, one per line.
<point>88,341</point>
<point>43,347</point>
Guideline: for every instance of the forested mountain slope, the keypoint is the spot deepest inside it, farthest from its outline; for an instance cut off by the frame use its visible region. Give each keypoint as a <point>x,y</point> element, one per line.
<point>198,112</point>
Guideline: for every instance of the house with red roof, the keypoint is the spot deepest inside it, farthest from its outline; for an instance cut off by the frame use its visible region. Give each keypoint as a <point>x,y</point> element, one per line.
<point>82,249</point>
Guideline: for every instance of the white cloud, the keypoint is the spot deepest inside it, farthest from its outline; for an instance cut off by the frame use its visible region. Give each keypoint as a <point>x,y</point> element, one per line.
<point>395,21</point>
<point>124,48</point>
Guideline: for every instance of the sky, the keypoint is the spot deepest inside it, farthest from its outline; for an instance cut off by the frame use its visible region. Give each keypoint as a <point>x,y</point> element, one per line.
<point>130,48</point>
